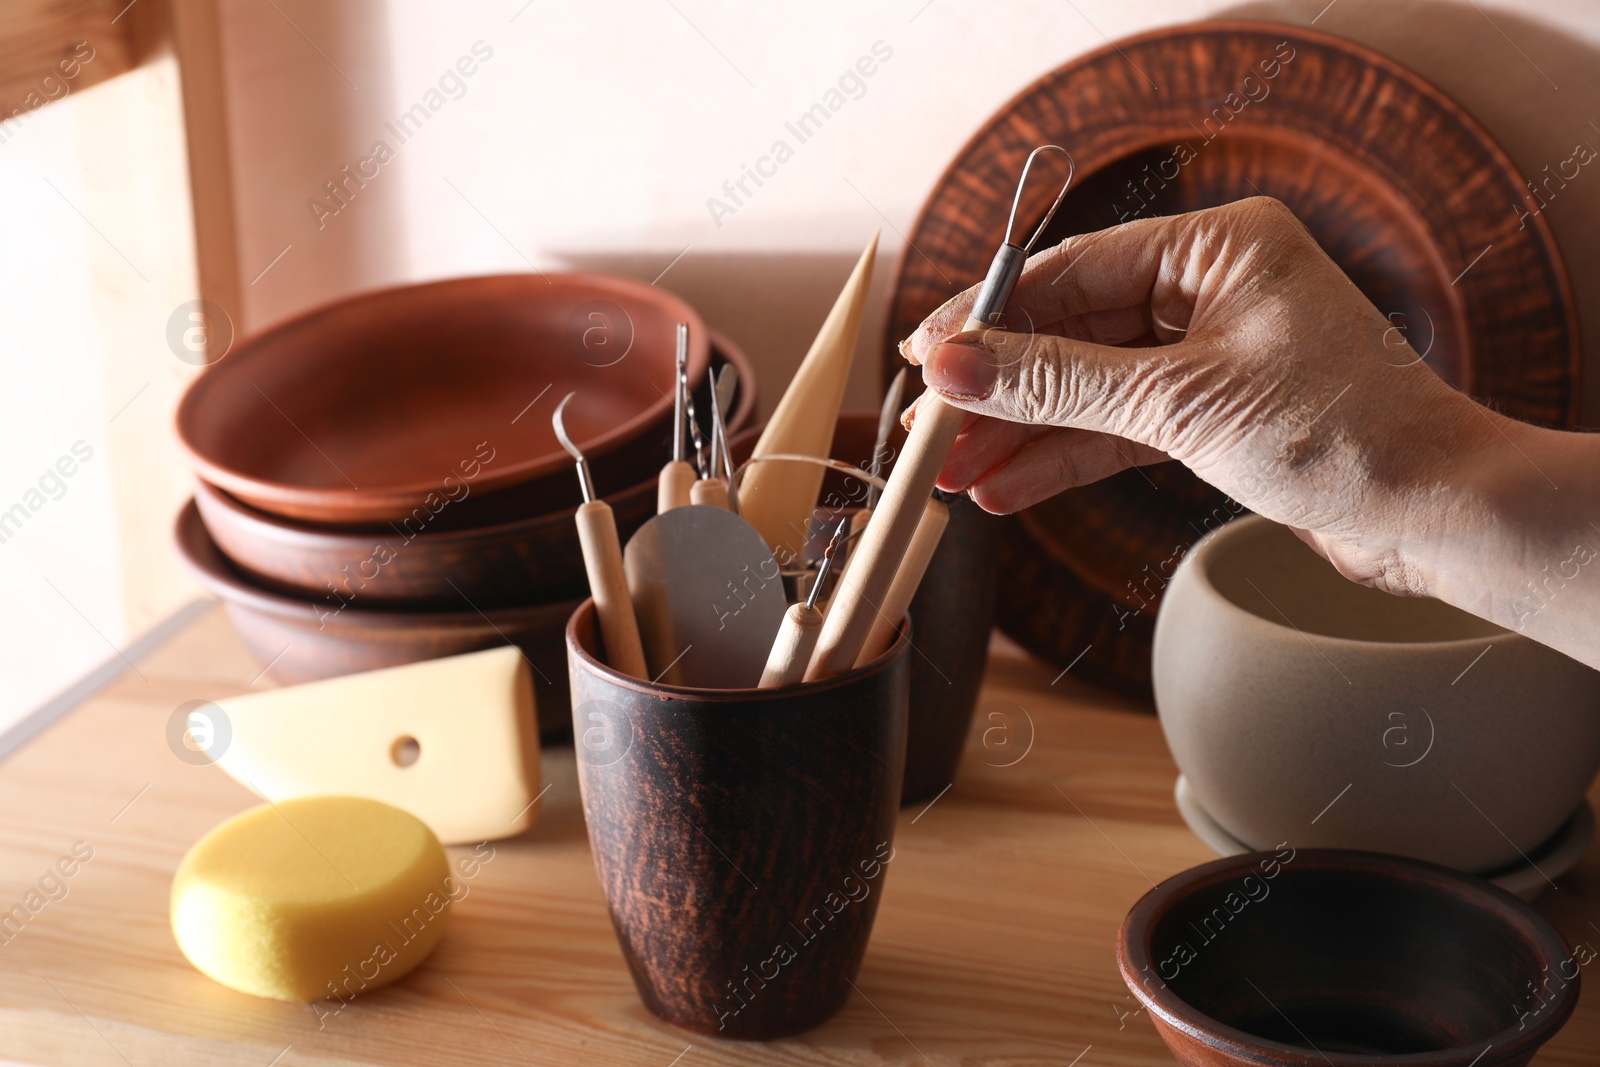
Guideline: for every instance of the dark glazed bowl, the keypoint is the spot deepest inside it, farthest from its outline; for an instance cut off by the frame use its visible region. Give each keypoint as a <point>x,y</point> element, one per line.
<point>1333,958</point>
<point>368,408</point>
<point>742,836</point>
<point>303,641</point>
<point>951,616</point>
<point>532,557</point>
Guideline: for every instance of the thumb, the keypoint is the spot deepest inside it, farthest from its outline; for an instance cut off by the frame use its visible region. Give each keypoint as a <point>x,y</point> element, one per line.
<point>1042,378</point>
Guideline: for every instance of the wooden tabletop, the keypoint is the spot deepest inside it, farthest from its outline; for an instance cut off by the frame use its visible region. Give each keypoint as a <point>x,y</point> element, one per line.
<point>994,944</point>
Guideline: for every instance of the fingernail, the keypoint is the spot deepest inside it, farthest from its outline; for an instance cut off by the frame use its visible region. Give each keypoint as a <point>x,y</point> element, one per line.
<point>962,371</point>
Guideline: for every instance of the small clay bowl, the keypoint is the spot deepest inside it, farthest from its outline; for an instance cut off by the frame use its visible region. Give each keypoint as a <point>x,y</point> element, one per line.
<point>1333,958</point>
<point>366,409</point>
<point>951,614</point>
<point>301,641</point>
<point>742,836</point>
<point>1301,706</point>
<point>434,561</point>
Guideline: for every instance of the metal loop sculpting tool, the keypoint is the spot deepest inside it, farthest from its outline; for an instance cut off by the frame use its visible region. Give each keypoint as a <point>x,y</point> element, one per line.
<point>864,589</point>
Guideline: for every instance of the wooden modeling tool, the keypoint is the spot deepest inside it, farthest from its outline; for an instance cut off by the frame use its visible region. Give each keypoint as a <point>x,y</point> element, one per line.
<point>791,652</point>
<point>602,560</point>
<point>708,595</point>
<point>678,475</point>
<point>919,553</point>
<point>778,498</point>
<point>877,559</point>
<point>888,413</point>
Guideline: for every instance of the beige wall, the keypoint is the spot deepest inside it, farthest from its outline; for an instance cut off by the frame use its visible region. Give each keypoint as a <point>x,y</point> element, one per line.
<point>596,132</point>
<point>592,136</point>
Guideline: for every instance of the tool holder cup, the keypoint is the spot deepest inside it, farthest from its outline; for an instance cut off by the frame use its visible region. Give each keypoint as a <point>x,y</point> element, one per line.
<point>742,836</point>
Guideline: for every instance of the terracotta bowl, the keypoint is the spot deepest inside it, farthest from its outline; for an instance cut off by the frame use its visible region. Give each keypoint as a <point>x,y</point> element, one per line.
<point>366,409</point>
<point>531,559</point>
<point>300,641</point>
<point>1329,958</point>
<point>1303,707</point>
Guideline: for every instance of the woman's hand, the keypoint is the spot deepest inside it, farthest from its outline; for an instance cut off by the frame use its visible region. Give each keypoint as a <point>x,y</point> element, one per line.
<point>1226,339</point>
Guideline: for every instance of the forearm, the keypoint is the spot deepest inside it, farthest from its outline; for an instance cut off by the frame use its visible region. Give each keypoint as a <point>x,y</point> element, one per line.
<point>1523,550</point>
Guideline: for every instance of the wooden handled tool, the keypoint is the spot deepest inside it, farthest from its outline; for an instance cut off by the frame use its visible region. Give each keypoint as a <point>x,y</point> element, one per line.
<point>888,412</point>
<point>713,489</point>
<point>678,475</point>
<point>778,498</point>
<point>791,652</point>
<point>602,561</point>
<point>877,559</point>
<point>935,517</point>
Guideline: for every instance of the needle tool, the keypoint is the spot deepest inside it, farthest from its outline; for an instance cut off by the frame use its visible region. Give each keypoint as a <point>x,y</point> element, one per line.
<point>791,652</point>
<point>678,475</point>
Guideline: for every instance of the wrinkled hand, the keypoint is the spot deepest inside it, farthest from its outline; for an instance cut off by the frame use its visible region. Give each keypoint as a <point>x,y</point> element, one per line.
<point>1225,339</point>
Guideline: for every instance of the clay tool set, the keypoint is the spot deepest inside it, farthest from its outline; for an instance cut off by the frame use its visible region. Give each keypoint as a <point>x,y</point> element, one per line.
<point>705,576</point>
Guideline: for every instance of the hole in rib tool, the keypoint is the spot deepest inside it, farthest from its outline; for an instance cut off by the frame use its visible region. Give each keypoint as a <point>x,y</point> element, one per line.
<point>791,652</point>
<point>678,475</point>
<point>602,560</point>
<point>864,589</point>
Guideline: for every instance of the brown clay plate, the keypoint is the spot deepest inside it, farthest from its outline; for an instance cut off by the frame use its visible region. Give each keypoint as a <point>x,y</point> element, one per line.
<point>1403,189</point>
<point>360,410</point>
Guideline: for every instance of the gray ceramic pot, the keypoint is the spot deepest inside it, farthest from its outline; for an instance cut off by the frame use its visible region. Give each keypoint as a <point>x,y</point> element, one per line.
<point>1304,708</point>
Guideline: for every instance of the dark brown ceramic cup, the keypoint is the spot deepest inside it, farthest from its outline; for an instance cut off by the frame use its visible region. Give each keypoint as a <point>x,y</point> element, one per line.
<point>742,836</point>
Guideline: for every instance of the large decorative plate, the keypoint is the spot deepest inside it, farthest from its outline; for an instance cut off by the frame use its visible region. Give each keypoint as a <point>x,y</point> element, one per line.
<point>1416,202</point>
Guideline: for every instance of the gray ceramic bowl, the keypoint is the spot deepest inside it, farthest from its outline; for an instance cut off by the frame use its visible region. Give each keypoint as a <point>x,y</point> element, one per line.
<point>1305,708</point>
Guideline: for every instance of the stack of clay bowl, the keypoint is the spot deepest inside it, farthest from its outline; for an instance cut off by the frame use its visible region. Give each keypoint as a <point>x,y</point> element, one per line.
<point>379,482</point>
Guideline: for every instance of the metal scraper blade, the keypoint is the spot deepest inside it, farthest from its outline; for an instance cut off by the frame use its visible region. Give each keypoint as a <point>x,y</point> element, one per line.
<point>708,597</point>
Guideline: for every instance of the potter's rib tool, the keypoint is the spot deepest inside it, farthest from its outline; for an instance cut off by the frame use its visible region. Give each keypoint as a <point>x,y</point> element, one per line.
<point>876,560</point>
<point>708,595</point>
<point>791,652</point>
<point>677,476</point>
<point>602,559</point>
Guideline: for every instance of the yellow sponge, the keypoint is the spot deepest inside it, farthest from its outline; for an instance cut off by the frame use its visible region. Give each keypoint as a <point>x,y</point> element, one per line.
<point>312,897</point>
